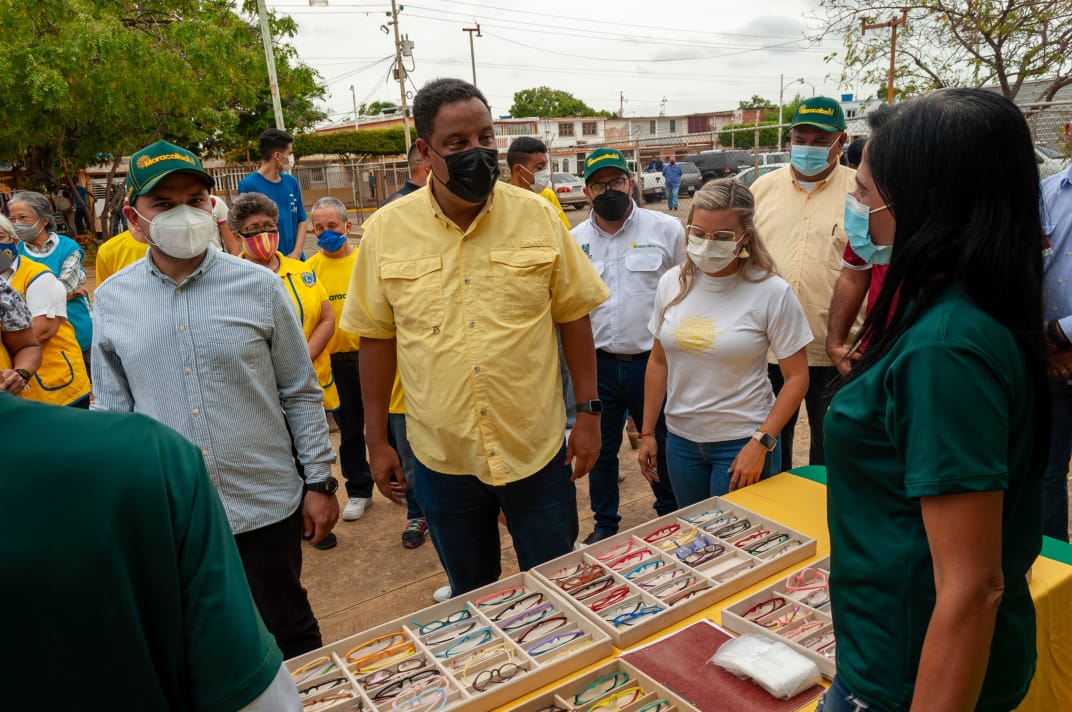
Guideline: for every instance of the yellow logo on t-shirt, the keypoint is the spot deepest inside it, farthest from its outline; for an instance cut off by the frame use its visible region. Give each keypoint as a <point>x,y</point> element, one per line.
<point>696,335</point>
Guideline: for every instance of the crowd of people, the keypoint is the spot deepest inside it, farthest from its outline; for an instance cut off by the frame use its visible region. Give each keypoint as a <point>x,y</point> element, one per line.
<point>480,356</point>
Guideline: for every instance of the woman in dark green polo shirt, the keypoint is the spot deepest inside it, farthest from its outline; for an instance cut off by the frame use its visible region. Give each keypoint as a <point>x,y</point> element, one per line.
<point>935,443</point>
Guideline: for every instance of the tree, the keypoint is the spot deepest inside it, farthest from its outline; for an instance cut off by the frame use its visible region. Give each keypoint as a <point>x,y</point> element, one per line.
<point>376,107</point>
<point>744,135</point>
<point>756,102</point>
<point>546,102</point>
<point>86,81</point>
<point>957,43</point>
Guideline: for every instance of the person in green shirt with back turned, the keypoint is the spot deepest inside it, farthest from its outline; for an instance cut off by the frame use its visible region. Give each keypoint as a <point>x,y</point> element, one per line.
<point>936,441</point>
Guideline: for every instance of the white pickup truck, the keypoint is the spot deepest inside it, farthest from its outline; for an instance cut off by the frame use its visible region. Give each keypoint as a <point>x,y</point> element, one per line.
<point>652,185</point>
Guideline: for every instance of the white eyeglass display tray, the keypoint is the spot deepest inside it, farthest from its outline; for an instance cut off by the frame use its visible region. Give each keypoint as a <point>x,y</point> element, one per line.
<point>731,571</point>
<point>789,633</point>
<point>591,646</point>
<point>563,698</point>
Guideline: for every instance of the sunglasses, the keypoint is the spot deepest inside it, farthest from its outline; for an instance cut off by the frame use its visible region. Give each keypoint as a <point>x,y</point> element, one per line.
<point>600,686</point>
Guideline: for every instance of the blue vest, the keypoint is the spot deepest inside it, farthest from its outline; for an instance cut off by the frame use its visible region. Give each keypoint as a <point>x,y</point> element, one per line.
<point>77,308</point>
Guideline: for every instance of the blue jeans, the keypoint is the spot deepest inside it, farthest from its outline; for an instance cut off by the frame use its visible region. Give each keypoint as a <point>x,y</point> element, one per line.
<point>1055,476</point>
<point>463,520</point>
<point>839,699</point>
<point>350,417</point>
<point>700,470</point>
<point>567,388</point>
<point>671,196</point>
<point>396,436</point>
<point>621,388</point>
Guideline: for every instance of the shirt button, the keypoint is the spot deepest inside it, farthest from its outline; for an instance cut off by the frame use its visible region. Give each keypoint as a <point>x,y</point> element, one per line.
<point>472,324</point>
<point>178,290</point>
<point>1060,281</point>
<point>188,370</point>
<point>465,238</point>
<point>491,452</point>
<point>476,368</point>
<point>483,411</point>
<point>467,280</point>
<point>204,453</point>
<point>197,411</point>
<point>182,329</point>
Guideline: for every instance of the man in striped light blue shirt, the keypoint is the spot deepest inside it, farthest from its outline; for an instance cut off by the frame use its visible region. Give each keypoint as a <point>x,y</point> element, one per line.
<point>210,345</point>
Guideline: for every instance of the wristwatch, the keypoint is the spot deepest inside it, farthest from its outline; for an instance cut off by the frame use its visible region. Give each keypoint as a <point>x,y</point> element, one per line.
<point>592,406</point>
<point>23,374</point>
<point>766,440</point>
<point>328,486</point>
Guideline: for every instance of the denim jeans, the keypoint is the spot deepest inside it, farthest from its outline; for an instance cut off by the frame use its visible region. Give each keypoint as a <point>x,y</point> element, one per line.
<point>700,470</point>
<point>817,401</point>
<point>839,699</point>
<point>350,417</point>
<point>567,387</point>
<point>396,436</point>
<point>671,196</point>
<point>621,388</point>
<point>1055,476</point>
<point>463,520</point>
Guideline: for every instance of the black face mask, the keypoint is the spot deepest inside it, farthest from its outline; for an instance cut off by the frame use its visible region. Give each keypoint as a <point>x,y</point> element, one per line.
<point>612,205</point>
<point>472,173</point>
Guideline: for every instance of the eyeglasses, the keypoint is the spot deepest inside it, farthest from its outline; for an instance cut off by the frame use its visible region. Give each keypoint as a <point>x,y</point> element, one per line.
<point>568,571</point>
<point>719,522</point>
<point>329,700</point>
<point>630,558</point>
<point>677,542</point>
<point>431,626</point>
<point>733,571</point>
<point>376,645</point>
<point>720,235</point>
<point>767,545</point>
<point>499,597</point>
<point>671,587</point>
<point>616,551</point>
<point>466,643</point>
<point>704,517</point>
<point>776,622</point>
<point>519,606</point>
<point>628,619</point>
<point>316,689</point>
<point>491,676</point>
<point>661,578</point>
<point>829,650</point>
<point>818,641</point>
<point>610,599</point>
<point>313,668</point>
<point>588,573</point>
<point>785,549</point>
<point>656,706</point>
<point>752,538</point>
<point>551,642</point>
<point>592,588</point>
<point>660,534</point>
<point>697,544</point>
<point>252,230</point>
<point>543,628</point>
<point>429,700</point>
<point>396,687</point>
<point>375,655</point>
<point>528,616</point>
<point>620,699</point>
<point>646,568</point>
<point>731,529</point>
<point>491,652</point>
<point>450,632</point>
<point>384,674</point>
<point>674,600</point>
<point>802,631</point>
<point>808,579</point>
<point>621,183</point>
<point>763,608</point>
<point>600,686</point>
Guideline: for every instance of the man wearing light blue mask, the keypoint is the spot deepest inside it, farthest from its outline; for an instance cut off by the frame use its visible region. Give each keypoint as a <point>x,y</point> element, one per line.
<point>800,211</point>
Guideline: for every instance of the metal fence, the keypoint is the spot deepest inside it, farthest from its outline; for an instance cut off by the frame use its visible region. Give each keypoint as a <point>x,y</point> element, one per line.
<point>1051,124</point>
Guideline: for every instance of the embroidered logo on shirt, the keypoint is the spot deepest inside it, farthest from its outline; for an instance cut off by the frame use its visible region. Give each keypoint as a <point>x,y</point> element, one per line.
<point>586,249</point>
<point>636,246</point>
<point>308,278</point>
<point>696,335</point>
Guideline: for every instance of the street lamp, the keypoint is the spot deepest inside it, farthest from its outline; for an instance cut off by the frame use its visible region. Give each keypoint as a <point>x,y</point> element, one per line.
<point>781,91</point>
<point>269,58</point>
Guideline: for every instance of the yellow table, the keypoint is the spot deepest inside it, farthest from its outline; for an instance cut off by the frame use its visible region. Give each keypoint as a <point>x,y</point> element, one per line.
<point>800,503</point>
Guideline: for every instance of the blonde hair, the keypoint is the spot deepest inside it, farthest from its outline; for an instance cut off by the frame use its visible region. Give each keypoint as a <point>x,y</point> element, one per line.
<point>6,227</point>
<point>754,263</point>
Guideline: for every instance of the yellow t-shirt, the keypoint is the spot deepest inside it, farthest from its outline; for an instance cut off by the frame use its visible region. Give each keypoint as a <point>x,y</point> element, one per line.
<point>473,313</point>
<point>334,273</point>
<point>118,252</point>
<point>549,195</point>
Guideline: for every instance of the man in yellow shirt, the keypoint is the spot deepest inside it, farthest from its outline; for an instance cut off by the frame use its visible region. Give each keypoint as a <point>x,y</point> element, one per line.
<point>470,299</point>
<point>118,252</point>
<point>334,265</point>
<point>799,212</point>
<point>530,169</point>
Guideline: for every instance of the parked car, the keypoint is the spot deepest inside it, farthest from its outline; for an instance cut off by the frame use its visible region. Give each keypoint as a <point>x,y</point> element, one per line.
<point>691,179</point>
<point>720,163</point>
<point>1049,161</point>
<point>652,185</point>
<point>569,189</point>
<point>748,176</point>
<point>765,159</point>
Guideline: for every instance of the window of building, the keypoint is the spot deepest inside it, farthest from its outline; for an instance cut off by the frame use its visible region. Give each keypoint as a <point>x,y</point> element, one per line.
<point>565,128</point>
<point>673,125</point>
<point>651,127</point>
<point>519,129</point>
<point>588,128</point>
<point>850,114</point>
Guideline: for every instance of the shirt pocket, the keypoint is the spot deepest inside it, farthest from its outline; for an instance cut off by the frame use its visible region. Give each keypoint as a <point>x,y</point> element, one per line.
<point>642,271</point>
<point>231,359</point>
<point>522,281</point>
<point>414,289</point>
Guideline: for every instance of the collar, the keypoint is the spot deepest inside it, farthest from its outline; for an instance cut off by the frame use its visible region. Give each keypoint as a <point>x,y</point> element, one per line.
<point>817,184</point>
<point>437,211</point>
<point>50,244</point>
<point>206,263</point>
<point>1066,181</point>
<point>634,216</point>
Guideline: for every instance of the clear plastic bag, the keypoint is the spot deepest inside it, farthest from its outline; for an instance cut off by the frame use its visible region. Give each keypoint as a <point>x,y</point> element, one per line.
<point>774,666</point>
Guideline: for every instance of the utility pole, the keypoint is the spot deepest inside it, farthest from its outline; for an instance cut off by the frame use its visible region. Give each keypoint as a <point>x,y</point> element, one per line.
<point>892,24</point>
<point>269,58</point>
<point>400,74</point>
<point>662,107</point>
<point>472,52</point>
<point>621,104</point>
<point>353,92</point>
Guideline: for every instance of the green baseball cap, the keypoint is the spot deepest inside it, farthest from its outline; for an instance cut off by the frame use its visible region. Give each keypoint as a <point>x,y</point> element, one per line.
<point>153,163</point>
<point>822,112</point>
<point>604,158</point>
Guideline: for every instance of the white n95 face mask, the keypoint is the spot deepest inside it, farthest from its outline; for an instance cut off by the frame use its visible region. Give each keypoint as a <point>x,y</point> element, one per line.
<point>183,232</point>
<point>540,180</point>
<point>711,255</point>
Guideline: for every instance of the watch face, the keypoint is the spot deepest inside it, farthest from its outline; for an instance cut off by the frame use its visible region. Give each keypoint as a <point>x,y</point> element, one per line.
<point>592,406</point>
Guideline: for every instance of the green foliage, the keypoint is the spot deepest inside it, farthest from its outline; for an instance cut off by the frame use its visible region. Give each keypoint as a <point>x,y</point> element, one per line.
<point>747,138</point>
<point>87,80</point>
<point>376,107</point>
<point>546,102</point>
<point>373,142</point>
<point>755,102</point>
<point>955,43</point>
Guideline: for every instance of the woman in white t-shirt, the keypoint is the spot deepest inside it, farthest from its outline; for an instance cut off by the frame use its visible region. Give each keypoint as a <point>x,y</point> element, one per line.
<point>716,318</point>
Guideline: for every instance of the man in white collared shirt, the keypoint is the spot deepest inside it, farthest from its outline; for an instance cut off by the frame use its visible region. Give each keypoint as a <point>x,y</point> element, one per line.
<point>631,248</point>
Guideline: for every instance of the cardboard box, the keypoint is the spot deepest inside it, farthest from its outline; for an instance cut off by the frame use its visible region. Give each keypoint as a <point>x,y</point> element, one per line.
<point>805,628</point>
<point>564,696</point>
<point>472,641</point>
<point>701,558</point>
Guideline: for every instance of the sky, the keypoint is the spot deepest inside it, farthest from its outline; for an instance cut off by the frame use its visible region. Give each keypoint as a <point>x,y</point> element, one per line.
<point>678,58</point>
